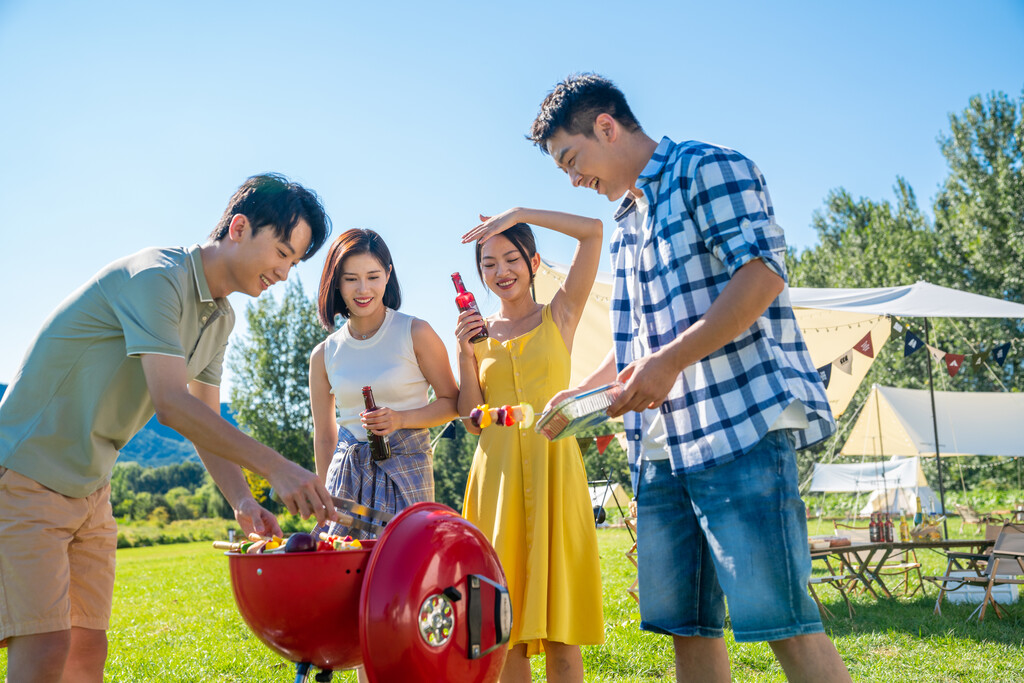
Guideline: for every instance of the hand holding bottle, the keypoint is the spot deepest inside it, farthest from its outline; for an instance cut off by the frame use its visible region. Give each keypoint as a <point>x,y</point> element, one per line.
<point>380,449</point>
<point>381,420</point>
<point>470,324</point>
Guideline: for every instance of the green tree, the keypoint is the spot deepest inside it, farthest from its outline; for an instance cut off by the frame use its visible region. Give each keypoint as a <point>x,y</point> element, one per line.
<point>979,216</point>
<point>975,244</point>
<point>452,459</point>
<point>270,394</point>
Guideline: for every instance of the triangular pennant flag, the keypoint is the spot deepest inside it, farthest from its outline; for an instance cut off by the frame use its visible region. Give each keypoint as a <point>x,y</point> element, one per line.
<point>825,372</point>
<point>448,432</point>
<point>999,353</point>
<point>937,354</point>
<point>865,347</point>
<point>844,363</point>
<point>603,441</point>
<point>897,329</point>
<point>954,361</point>
<point>584,442</point>
<point>977,360</point>
<point>911,343</point>
<point>621,438</point>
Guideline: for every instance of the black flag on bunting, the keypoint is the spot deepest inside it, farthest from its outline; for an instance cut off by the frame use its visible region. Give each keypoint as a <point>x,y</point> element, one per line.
<point>911,343</point>
<point>825,372</point>
<point>999,353</point>
<point>448,432</point>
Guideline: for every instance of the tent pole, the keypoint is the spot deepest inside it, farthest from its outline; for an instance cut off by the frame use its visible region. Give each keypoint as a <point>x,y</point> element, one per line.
<point>881,447</point>
<point>935,426</point>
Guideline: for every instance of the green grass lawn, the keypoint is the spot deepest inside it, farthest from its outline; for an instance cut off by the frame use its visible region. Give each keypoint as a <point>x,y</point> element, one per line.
<point>175,620</point>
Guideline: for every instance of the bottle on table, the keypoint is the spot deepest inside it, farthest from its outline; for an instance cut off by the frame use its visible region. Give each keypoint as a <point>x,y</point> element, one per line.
<point>465,300</point>
<point>380,448</point>
<point>918,516</point>
<point>888,528</point>
<point>904,529</point>
<point>873,528</point>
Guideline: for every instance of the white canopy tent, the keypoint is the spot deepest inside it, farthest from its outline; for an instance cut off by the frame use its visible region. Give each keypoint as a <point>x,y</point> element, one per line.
<point>897,421</point>
<point>919,300</point>
<point>894,485</point>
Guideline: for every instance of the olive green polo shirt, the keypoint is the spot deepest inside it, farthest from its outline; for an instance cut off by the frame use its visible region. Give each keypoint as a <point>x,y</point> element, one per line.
<point>80,394</point>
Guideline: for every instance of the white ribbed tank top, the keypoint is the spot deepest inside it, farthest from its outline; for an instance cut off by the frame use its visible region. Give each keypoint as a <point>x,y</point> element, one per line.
<point>386,361</point>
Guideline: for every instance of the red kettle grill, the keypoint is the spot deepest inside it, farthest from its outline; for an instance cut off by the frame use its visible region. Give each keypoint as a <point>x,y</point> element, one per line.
<point>427,601</point>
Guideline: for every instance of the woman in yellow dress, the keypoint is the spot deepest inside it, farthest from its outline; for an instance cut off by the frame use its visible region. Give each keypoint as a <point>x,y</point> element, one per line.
<point>529,495</point>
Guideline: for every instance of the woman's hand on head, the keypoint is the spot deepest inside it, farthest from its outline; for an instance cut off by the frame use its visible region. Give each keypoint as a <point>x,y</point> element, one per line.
<point>491,225</point>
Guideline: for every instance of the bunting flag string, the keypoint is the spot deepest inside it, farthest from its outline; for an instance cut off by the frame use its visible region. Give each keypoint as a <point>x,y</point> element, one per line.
<point>601,442</point>
<point>912,342</point>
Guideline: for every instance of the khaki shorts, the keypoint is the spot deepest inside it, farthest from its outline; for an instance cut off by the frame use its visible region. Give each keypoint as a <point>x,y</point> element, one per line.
<point>57,564</point>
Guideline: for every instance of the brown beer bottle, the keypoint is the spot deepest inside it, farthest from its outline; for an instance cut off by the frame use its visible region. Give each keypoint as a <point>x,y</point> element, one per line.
<point>380,449</point>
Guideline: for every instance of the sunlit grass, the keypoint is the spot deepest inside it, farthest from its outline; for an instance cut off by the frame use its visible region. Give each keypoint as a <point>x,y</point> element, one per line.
<point>175,620</point>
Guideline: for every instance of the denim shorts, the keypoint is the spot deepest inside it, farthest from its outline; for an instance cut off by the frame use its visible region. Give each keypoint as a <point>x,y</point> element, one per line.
<point>736,532</point>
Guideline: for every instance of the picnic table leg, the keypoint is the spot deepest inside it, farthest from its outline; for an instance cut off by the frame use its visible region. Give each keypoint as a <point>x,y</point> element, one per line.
<point>876,574</point>
<point>863,568</point>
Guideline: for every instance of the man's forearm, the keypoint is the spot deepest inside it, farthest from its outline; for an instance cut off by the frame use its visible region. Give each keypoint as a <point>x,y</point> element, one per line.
<point>743,300</point>
<point>208,431</point>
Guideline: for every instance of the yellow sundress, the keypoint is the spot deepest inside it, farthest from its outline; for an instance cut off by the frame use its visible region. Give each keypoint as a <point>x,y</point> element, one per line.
<point>529,497</point>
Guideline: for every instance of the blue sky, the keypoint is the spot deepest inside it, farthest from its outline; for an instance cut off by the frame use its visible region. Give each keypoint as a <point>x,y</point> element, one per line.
<point>128,124</point>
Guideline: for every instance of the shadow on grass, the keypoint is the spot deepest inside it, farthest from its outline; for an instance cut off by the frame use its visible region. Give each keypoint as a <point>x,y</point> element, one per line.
<point>916,617</point>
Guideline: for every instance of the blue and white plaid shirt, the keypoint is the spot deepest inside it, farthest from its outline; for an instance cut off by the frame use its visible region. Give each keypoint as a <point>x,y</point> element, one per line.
<point>709,215</point>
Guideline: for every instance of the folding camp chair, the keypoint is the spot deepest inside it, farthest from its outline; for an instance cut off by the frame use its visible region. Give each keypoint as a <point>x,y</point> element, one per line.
<point>901,563</point>
<point>836,581</point>
<point>1002,565</point>
<point>969,515</point>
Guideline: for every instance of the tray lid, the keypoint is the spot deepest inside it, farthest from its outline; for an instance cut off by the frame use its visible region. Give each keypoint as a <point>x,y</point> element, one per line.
<point>433,590</point>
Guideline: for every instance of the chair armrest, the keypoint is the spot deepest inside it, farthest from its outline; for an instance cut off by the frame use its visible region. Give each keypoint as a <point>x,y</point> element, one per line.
<point>967,556</point>
<point>1007,553</point>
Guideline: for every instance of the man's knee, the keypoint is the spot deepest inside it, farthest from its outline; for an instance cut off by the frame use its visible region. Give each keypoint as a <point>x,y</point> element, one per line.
<point>40,656</point>
<point>88,649</point>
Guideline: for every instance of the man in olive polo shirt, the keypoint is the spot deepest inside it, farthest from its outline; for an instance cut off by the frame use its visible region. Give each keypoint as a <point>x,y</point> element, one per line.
<point>146,335</point>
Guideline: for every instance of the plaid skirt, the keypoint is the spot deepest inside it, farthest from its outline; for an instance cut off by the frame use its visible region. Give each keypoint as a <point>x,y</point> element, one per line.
<point>390,485</point>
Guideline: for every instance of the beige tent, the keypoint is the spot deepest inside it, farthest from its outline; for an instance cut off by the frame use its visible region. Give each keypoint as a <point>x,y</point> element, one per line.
<point>593,338</point>
<point>829,334</point>
<point>898,421</point>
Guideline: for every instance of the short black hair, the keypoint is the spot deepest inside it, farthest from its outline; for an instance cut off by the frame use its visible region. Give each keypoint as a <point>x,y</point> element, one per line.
<point>351,243</point>
<point>271,199</point>
<point>575,104</point>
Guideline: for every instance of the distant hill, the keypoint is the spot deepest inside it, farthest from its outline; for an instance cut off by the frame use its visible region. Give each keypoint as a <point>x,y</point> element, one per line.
<point>157,445</point>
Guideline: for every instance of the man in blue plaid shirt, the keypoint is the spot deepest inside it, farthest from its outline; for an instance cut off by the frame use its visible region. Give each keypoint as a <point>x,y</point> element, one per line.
<point>719,386</point>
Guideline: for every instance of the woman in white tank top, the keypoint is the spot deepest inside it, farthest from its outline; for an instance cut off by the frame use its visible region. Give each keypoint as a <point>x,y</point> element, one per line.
<point>399,356</point>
